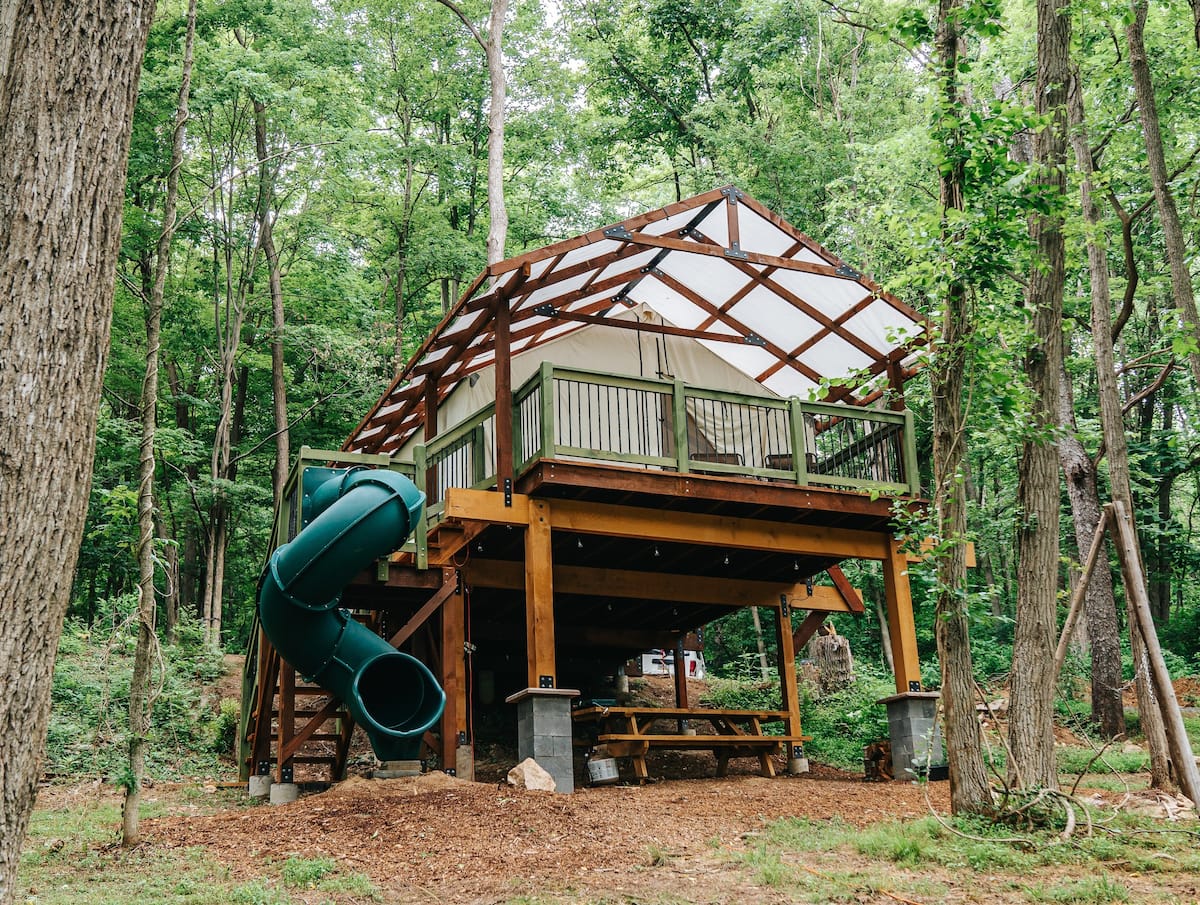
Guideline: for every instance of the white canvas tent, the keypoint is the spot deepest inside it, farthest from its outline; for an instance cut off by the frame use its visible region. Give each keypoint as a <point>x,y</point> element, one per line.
<point>715,290</point>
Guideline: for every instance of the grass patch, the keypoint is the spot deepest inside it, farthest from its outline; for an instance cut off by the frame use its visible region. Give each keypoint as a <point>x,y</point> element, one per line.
<point>1088,891</point>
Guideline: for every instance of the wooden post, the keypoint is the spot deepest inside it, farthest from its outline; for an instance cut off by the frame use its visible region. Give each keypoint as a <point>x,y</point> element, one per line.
<point>901,628</point>
<point>539,597</point>
<point>1182,757</point>
<point>681,689</point>
<point>787,672</point>
<point>454,672</point>
<point>504,400</point>
<point>287,714</point>
<point>1060,655</point>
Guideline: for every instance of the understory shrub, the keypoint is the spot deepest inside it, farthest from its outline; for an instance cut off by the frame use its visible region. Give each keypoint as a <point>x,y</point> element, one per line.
<point>89,715</point>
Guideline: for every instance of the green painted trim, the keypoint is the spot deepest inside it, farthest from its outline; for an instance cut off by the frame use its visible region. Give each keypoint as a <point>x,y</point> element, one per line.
<point>911,471</point>
<point>799,444</point>
<point>766,402</point>
<point>545,377</point>
<point>421,532</point>
<point>679,426</point>
<point>607,456</point>
<point>625,381</point>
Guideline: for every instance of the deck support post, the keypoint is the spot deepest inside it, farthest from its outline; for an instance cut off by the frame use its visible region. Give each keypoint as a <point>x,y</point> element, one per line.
<point>287,720</point>
<point>901,628</point>
<point>455,747</point>
<point>789,690</point>
<point>539,598</point>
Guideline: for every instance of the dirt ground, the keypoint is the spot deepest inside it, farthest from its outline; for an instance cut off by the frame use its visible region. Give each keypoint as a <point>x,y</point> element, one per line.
<point>436,838</point>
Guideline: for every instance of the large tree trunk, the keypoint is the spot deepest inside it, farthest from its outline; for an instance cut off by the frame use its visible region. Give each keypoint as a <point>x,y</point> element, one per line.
<point>68,83</point>
<point>140,700</point>
<point>1099,603</point>
<point>1101,609</point>
<point>1031,722</point>
<point>1173,240</point>
<point>969,788</point>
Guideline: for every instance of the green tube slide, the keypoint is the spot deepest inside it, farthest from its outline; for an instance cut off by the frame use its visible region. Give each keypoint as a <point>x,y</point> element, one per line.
<point>356,516</point>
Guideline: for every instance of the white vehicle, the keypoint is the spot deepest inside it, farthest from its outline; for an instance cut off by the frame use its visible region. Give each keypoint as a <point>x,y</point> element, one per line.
<point>662,663</point>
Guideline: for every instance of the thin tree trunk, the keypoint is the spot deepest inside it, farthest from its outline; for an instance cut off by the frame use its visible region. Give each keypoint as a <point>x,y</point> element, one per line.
<point>140,698</point>
<point>1031,721</point>
<point>68,84</point>
<point>275,284</point>
<point>1173,239</point>
<point>969,789</point>
<point>497,211</point>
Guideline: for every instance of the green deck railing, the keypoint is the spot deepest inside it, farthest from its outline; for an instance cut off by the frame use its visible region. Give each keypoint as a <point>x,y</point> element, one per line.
<point>571,413</point>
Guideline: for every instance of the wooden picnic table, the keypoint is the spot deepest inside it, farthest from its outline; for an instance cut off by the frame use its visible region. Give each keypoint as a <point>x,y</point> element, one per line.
<point>629,732</point>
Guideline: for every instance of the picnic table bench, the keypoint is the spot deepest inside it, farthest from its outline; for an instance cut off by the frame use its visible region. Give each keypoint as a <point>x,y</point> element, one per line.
<point>629,732</point>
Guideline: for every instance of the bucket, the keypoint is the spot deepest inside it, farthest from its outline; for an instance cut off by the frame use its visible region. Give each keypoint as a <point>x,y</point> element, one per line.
<point>602,771</point>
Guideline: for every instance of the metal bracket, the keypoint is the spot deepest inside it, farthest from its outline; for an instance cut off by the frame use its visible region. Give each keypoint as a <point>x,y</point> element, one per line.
<point>618,232</point>
<point>754,339</point>
<point>914,686</point>
<point>845,270</point>
<point>545,310</point>
<point>735,251</point>
<point>545,681</point>
<point>508,493</point>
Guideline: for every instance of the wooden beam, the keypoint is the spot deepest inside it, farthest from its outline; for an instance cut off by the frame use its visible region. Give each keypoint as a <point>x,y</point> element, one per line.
<point>787,672</point>
<point>718,531</point>
<point>287,713</point>
<point>903,632</point>
<point>288,749</point>
<point>454,672</point>
<point>539,598</point>
<point>630,584</point>
<point>849,593</point>
<point>449,584</point>
<point>807,629</point>
<point>486,506</point>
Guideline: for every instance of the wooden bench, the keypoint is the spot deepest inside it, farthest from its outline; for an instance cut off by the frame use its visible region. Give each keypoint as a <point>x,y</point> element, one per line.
<point>626,732</point>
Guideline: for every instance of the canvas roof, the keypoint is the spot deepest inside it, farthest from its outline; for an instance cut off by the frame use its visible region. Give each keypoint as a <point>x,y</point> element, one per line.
<point>719,268</point>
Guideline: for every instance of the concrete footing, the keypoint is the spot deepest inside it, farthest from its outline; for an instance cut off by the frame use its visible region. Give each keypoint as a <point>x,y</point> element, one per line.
<point>260,786</point>
<point>915,734</point>
<point>284,792</point>
<point>396,769</point>
<point>797,765</point>
<point>544,731</point>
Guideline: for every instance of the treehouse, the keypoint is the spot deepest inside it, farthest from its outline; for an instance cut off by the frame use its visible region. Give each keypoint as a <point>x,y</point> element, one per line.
<point>619,442</point>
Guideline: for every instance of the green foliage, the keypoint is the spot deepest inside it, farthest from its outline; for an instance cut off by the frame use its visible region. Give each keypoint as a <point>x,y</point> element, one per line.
<point>843,723</point>
<point>90,701</point>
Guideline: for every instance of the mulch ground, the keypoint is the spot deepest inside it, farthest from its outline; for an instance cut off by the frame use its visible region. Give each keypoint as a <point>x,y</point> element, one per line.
<point>458,841</point>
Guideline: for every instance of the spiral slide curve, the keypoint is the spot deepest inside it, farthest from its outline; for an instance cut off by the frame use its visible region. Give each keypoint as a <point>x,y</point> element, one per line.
<point>359,516</point>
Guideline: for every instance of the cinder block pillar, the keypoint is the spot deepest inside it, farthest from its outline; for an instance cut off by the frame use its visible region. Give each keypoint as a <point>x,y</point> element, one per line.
<point>915,734</point>
<point>544,731</point>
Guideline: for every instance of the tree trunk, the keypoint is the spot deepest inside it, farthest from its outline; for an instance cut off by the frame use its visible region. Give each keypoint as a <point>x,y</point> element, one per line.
<point>1101,608</point>
<point>275,284</point>
<point>1031,720</point>
<point>1099,602</point>
<point>68,83</point>
<point>1173,239</point>
<point>969,789</point>
<point>140,698</point>
<point>497,211</point>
